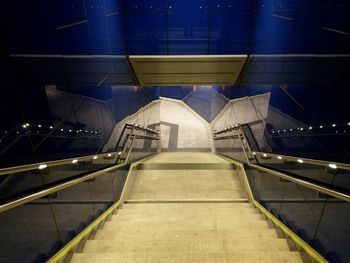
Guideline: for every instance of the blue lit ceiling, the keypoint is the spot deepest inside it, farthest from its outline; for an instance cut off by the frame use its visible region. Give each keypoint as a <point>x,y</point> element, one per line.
<point>116,27</point>
<point>97,35</point>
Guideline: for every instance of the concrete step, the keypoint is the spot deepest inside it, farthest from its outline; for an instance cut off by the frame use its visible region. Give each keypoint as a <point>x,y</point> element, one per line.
<point>166,217</point>
<point>165,211</point>
<point>187,175</point>
<point>156,234</point>
<point>186,245</point>
<point>191,225</point>
<point>185,184</point>
<point>195,186</point>
<point>183,201</point>
<point>186,157</point>
<point>221,257</point>
<point>185,194</point>
<point>183,206</point>
<point>186,166</point>
<point>184,218</point>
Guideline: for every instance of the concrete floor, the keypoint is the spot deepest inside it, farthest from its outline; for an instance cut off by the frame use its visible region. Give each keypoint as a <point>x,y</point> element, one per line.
<point>186,157</point>
<point>173,227</point>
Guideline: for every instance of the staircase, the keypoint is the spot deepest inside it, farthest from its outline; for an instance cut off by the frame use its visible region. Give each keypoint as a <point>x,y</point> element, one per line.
<point>186,207</point>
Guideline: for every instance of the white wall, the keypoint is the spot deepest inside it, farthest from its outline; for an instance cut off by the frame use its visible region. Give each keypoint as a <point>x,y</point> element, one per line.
<point>193,131</point>
<point>147,115</point>
<point>244,110</point>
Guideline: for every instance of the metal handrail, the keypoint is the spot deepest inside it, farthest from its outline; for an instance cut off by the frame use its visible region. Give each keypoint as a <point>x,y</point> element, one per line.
<point>30,197</point>
<point>34,166</point>
<point>336,165</point>
<point>234,136</point>
<point>307,184</point>
<point>54,189</point>
<point>319,188</point>
<point>333,165</point>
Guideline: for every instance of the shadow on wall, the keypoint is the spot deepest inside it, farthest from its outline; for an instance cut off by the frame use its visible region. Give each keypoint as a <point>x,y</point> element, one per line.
<point>206,101</point>
<point>182,128</point>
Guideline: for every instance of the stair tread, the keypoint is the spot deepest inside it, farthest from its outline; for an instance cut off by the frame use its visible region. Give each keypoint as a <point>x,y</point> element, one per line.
<point>185,216</point>
<point>185,184</point>
<point>223,211</point>
<point>179,234</point>
<point>186,157</point>
<point>198,224</point>
<point>240,257</point>
<point>190,214</point>
<point>208,245</point>
<point>186,205</point>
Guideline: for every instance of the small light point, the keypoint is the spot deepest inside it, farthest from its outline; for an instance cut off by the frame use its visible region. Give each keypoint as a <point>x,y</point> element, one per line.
<point>332,165</point>
<point>42,166</point>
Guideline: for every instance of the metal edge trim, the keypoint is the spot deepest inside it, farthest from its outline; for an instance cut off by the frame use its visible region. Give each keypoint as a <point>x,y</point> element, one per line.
<point>186,56</point>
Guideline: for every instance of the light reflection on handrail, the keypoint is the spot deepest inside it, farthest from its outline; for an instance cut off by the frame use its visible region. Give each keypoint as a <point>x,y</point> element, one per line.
<point>28,198</point>
<point>34,166</point>
<point>330,164</point>
<point>305,183</point>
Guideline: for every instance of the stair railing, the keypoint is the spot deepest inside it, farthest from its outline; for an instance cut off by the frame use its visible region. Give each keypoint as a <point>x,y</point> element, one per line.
<point>39,192</point>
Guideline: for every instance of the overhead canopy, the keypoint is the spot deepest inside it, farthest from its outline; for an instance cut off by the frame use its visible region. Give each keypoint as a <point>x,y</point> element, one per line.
<point>187,70</point>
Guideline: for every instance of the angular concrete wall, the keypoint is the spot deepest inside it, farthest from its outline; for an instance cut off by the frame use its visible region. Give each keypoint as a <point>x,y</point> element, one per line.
<point>92,114</point>
<point>251,110</point>
<point>292,143</point>
<point>182,129</point>
<point>146,116</point>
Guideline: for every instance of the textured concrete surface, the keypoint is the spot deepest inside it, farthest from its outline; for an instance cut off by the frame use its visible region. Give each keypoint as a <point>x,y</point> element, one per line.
<point>188,157</point>
<point>207,102</point>
<point>182,129</point>
<point>148,115</point>
<point>185,184</point>
<point>62,105</point>
<point>244,110</point>
<point>186,231</point>
<point>193,131</point>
